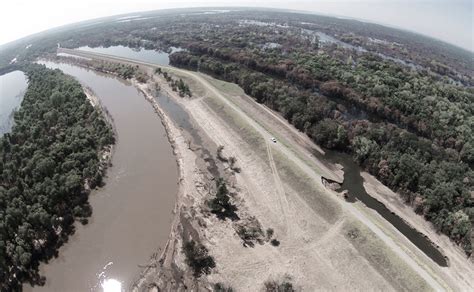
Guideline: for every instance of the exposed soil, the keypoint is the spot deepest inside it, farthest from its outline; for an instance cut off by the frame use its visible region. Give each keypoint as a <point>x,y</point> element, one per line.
<point>325,243</point>
<point>313,262</point>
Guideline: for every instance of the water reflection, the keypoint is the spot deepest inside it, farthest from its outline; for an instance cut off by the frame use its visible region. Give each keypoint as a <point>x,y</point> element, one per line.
<point>111,285</point>
<point>12,88</point>
<point>141,54</point>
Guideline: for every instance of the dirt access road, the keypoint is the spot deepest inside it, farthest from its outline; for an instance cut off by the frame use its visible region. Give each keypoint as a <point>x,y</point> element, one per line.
<point>315,250</point>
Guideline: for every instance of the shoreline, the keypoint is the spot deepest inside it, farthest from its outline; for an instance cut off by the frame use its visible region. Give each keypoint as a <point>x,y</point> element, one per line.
<point>173,134</point>
<point>106,155</point>
<point>177,142</point>
<point>163,255</point>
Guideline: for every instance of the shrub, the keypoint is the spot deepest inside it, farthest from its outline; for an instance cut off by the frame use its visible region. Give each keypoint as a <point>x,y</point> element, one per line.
<point>219,287</point>
<point>197,258</point>
<point>284,286</point>
<point>220,205</point>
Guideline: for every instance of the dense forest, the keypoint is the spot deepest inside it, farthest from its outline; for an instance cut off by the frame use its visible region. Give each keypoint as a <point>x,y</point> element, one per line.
<point>402,104</point>
<point>48,164</point>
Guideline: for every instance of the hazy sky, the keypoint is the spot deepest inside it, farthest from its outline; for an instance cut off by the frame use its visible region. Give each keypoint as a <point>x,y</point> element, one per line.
<point>449,20</point>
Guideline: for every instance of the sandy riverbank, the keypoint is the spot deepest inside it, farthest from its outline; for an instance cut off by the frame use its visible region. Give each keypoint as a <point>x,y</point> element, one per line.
<point>249,268</point>
<point>326,243</point>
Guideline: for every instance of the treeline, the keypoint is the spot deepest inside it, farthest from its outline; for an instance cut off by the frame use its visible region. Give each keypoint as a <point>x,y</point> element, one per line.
<point>427,172</point>
<point>410,99</point>
<point>48,163</point>
<point>170,29</point>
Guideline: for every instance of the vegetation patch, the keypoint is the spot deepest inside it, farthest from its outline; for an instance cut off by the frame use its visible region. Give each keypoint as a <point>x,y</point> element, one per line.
<point>220,155</point>
<point>141,76</point>
<point>220,205</point>
<point>193,84</point>
<point>232,161</point>
<point>273,241</point>
<point>197,258</point>
<point>48,163</point>
<point>219,287</point>
<point>176,85</point>
<point>283,285</point>
<point>250,231</point>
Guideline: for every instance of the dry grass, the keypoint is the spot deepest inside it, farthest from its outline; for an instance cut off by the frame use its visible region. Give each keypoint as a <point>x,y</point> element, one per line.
<point>226,88</point>
<point>389,265</point>
<point>237,124</point>
<point>306,187</point>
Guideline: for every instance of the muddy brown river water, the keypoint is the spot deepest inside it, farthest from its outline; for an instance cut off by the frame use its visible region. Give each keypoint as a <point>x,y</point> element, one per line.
<point>132,214</point>
<point>12,88</point>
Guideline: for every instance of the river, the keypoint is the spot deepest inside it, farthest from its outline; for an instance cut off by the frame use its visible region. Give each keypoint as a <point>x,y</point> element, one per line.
<point>12,88</point>
<point>353,181</point>
<point>132,214</point>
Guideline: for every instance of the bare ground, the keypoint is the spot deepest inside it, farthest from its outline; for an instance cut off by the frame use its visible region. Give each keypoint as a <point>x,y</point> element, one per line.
<point>325,243</point>
<point>298,221</point>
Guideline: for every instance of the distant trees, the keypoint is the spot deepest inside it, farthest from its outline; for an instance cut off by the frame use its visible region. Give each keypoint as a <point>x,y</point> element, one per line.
<point>50,155</point>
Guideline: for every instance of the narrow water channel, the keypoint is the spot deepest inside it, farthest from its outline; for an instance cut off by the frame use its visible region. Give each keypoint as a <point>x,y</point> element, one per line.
<point>182,119</point>
<point>132,214</point>
<point>354,184</point>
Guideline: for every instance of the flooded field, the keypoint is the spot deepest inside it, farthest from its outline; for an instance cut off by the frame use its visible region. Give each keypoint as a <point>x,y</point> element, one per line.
<point>12,88</point>
<point>132,214</point>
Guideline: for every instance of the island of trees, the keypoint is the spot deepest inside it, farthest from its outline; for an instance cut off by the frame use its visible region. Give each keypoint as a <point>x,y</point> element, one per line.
<point>48,164</point>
